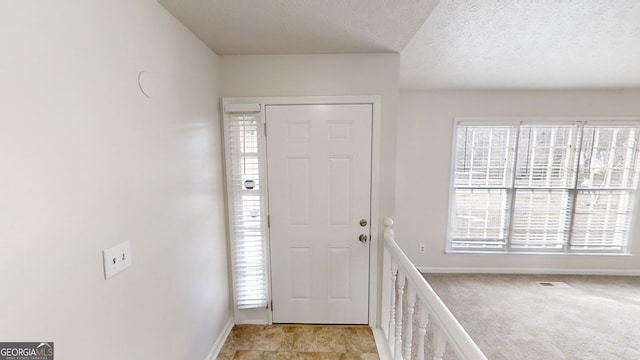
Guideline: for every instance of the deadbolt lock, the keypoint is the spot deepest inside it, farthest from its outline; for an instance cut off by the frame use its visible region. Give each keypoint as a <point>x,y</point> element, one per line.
<point>363,222</point>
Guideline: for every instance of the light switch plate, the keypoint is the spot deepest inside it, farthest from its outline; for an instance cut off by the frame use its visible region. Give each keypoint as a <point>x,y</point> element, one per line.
<point>116,259</point>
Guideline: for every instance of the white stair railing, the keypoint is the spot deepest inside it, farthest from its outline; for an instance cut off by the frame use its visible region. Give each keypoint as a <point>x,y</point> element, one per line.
<point>403,288</point>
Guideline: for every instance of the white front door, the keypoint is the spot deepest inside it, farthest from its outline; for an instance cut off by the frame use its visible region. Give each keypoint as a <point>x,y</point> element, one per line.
<point>319,171</point>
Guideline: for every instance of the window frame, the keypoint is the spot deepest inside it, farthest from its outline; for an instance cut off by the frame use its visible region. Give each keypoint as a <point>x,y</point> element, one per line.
<point>514,123</point>
<point>253,112</point>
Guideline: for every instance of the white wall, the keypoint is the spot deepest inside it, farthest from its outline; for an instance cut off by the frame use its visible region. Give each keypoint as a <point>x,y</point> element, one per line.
<point>425,124</point>
<point>86,161</point>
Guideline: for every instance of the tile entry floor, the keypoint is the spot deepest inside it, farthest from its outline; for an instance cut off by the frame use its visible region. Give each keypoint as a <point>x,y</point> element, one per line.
<point>299,342</point>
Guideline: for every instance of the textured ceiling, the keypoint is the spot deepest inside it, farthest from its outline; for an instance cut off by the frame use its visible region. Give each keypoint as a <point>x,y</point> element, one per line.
<point>526,44</point>
<point>252,27</point>
<point>459,44</point>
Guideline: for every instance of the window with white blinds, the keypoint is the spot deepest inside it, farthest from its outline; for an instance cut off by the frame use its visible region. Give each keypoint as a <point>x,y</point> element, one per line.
<point>244,140</point>
<point>533,186</point>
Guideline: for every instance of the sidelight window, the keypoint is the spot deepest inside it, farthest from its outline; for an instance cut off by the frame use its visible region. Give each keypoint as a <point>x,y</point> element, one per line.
<point>246,197</point>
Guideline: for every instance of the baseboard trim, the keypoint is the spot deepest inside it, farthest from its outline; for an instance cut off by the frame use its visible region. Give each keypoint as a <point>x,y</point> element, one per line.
<point>527,271</point>
<point>384,353</point>
<point>253,322</point>
<point>219,343</point>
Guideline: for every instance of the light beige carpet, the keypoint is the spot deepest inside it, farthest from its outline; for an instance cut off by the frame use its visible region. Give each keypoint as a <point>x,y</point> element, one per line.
<point>512,317</point>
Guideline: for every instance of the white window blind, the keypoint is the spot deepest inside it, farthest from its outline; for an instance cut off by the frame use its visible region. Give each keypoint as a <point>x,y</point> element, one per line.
<point>483,174</point>
<point>563,186</point>
<point>244,140</point>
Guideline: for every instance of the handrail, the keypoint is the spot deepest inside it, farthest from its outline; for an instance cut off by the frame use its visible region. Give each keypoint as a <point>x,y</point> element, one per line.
<point>445,323</point>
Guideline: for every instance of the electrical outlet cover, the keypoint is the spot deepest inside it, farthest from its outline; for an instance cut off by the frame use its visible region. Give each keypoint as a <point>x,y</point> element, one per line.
<point>116,259</point>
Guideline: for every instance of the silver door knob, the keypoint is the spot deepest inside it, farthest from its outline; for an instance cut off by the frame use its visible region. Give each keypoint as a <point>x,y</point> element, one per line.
<point>363,238</point>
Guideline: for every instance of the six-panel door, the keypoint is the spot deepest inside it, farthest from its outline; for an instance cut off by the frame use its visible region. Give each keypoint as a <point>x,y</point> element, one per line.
<point>319,172</point>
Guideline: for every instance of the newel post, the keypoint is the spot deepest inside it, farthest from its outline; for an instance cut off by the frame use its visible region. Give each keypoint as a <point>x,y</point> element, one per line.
<point>388,228</point>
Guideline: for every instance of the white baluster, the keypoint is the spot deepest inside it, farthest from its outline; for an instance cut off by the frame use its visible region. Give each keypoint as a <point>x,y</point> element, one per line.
<point>408,338</point>
<point>439,343</point>
<point>398,347</point>
<point>392,317</point>
<point>422,329</point>
<point>406,279</point>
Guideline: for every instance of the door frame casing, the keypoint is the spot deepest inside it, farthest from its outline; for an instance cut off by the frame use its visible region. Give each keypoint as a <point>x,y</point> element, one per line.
<point>264,316</point>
